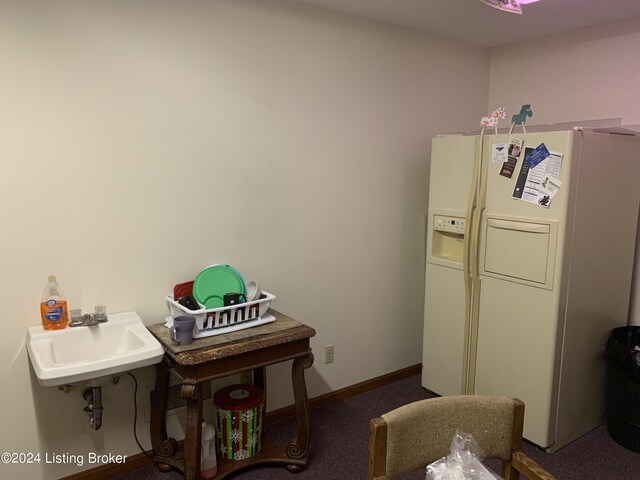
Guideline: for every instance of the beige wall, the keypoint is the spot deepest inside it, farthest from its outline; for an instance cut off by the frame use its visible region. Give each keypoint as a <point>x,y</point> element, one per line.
<point>142,141</point>
<point>588,75</point>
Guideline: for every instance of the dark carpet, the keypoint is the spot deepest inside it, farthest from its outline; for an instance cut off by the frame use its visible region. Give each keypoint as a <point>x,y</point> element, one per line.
<point>340,434</point>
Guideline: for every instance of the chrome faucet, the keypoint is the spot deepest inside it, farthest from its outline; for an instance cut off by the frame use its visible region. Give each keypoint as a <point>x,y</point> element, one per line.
<point>88,320</point>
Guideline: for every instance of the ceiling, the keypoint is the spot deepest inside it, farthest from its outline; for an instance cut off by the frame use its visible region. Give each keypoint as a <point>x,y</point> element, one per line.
<point>472,21</point>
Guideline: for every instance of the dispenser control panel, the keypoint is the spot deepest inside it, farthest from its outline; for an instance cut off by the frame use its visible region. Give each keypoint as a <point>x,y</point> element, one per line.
<point>444,223</point>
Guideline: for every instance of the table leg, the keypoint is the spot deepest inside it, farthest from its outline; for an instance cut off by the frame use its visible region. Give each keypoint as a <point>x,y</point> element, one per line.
<point>192,393</point>
<point>299,448</point>
<point>260,379</point>
<point>162,446</point>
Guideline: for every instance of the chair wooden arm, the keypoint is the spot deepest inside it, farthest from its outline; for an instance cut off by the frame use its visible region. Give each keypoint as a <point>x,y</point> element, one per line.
<point>377,449</point>
<point>528,467</point>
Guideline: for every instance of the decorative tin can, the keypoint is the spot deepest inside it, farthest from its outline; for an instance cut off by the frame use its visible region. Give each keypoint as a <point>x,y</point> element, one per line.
<point>239,412</point>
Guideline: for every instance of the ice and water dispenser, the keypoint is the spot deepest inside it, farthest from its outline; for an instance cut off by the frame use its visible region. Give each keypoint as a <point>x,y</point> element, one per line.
<point>448,238</point>
<point>513,249</point>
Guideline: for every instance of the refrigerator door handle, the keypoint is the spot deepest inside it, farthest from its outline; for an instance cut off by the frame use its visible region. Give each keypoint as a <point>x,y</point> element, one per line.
<point>467,259</point>
<point>468,242</point>
<point>477,218</point>
<point>472,205</point>
<point>471,331</point>
<point>518,226</point>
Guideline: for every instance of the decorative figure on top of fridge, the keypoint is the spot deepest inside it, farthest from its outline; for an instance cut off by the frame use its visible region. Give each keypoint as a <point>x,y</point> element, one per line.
<point>493,119</point>
<point>521,118</point>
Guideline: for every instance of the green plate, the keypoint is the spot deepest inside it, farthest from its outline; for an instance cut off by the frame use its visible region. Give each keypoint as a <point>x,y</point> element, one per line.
<point>213,282</point>
<point>214,302</point>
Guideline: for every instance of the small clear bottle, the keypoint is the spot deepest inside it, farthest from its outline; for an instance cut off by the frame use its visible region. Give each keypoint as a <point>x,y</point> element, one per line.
<point>208,462</point>
<point>53,306</point>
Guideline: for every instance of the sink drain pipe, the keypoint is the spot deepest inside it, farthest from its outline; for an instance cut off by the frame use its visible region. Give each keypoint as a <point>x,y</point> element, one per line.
<point>93,396</point>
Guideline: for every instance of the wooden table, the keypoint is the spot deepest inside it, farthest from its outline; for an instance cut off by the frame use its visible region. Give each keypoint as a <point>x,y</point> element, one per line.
<point>218,356</point>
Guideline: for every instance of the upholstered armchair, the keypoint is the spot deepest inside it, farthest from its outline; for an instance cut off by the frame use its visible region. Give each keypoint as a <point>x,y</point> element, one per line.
<point>415,435</point>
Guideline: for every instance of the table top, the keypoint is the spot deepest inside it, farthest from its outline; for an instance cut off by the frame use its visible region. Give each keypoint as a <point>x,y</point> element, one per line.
<point>284,330</point>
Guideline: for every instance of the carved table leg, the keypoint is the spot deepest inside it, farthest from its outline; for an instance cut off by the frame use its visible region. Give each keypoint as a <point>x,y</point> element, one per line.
<point>162,446</point>
<point>192,393</point>
<point>299,448</point>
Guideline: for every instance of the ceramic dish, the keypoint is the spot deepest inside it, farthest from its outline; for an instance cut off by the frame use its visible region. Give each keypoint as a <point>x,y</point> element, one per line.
<point>253,291</point>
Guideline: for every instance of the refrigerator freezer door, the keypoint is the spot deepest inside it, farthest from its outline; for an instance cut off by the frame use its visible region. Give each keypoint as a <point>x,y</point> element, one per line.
<point>444,347</point>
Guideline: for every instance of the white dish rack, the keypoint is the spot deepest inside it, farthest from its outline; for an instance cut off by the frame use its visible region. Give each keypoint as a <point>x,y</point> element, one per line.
<point>216,321</point>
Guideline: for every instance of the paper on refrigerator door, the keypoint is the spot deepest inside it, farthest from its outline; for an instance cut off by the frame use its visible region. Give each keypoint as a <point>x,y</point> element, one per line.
<point>537,155</point>
<point>550,186</point>
<point>499,152</point>
<point>539,184</point>
<point>509,166</point>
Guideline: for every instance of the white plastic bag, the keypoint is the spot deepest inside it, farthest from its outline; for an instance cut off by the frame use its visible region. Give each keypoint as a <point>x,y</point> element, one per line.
<point>463,463</point>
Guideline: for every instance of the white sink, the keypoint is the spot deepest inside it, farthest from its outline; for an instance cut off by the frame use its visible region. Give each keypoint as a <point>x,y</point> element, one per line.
<point>82,354</point>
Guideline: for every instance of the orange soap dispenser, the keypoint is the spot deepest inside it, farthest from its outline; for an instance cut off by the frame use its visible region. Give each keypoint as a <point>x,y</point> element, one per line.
<point>53,307</point>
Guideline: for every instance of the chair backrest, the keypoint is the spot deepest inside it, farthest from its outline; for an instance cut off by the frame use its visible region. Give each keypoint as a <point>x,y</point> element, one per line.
<point>415,435</point>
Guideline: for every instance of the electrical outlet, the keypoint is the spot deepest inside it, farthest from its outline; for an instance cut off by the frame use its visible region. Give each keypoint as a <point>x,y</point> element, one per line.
<point>328,353</point>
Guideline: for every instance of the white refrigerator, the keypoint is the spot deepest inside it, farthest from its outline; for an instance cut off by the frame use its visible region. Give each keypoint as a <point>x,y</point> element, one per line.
<point>527,274</point>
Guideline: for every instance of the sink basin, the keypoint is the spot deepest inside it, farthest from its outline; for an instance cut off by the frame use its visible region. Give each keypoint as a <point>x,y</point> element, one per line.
<point>82,354</point>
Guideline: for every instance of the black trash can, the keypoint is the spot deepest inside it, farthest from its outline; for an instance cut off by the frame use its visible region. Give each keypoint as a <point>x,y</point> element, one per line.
<point>623,386</point>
